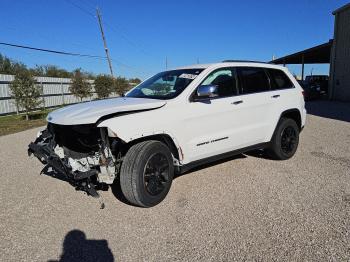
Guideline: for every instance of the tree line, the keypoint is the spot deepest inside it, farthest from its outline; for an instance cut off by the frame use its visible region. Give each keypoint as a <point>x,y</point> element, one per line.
<point>26,92</point>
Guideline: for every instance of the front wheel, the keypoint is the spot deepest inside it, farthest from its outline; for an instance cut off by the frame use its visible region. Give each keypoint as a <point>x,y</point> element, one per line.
<point>285,140</point>
<point>147,173</point>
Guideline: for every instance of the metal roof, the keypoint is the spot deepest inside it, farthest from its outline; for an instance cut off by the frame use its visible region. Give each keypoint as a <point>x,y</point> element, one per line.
<point>340,9</point>
<point>320,54</point>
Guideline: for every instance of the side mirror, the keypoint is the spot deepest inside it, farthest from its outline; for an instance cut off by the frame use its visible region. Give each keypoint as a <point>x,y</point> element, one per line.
<point>207,91</point>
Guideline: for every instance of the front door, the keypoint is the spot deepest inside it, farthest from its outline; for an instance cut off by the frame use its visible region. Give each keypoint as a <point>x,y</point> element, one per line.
<point>237,118</point>
<point>210,122</point>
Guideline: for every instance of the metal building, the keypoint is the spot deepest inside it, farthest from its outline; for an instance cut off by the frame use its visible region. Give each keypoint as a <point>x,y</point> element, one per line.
<point>336,52</point>
<point>339,85</point>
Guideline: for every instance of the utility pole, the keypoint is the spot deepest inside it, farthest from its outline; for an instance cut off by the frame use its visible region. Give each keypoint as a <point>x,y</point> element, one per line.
<point>166,63</point>
<point>104,41</point>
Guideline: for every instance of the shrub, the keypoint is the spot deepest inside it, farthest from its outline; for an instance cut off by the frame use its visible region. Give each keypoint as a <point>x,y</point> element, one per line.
<point>135,81</point>
<point>25,91</point>
<point>121,85</point>
<point>104,86</point>
<point>80,87</point>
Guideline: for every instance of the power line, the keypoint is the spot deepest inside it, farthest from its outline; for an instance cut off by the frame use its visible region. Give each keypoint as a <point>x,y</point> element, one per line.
<point>51,51</point>
<point>57,52</point>
<point>114,28</point>
<point>45,37</point>
<point>81,8</point>
<point>117,28</point>
<point>88,4</point>
<point>127,39</point>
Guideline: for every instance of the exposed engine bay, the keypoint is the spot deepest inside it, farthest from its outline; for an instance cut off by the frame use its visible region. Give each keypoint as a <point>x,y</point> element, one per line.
<point>82,155</point>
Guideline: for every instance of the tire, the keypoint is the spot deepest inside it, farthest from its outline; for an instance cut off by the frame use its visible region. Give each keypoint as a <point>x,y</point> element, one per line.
<point>285,140</point>
<point>146,174</point>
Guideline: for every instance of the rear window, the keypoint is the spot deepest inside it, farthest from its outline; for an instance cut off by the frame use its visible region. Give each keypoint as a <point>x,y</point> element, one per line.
<point>279,80</point>
<point>253,80</point>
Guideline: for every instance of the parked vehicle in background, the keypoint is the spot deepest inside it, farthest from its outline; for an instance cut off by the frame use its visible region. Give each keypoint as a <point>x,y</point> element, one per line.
<point>311,91</point>
<point>321,81</point>
<point>172,122</point>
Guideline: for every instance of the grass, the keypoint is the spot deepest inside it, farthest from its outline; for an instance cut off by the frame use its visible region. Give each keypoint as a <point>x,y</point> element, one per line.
<point>17,123</point>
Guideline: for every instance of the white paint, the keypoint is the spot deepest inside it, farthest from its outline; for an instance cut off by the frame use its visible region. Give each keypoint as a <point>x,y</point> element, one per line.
<point>90,112</point>
<point>192,123</point>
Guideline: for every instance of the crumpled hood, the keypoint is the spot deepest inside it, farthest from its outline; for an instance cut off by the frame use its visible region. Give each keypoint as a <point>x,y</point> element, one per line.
<point>91,112</point>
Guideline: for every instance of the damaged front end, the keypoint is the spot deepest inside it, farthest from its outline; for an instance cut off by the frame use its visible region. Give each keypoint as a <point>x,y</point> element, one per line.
<point>82,155</point>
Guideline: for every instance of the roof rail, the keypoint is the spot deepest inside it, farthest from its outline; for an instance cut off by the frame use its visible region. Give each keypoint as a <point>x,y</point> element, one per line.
<point>246,61</point>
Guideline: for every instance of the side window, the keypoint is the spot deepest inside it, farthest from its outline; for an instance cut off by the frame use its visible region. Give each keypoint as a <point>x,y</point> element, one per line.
<point>279,80</point>
<point>225,80</point>
<point>253,80</point>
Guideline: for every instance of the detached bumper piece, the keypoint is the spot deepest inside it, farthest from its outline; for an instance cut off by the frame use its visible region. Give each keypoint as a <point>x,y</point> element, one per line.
<point>43,149</point>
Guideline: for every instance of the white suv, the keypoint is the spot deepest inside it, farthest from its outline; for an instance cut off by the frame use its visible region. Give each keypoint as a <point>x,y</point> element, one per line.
<point>170,123</point>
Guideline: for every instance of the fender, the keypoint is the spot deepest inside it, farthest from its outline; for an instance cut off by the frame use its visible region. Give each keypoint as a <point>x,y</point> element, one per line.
<point>124,127</point>
<point>293,113</point>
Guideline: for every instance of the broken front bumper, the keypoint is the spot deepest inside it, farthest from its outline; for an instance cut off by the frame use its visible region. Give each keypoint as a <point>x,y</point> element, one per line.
<point>44,149</point>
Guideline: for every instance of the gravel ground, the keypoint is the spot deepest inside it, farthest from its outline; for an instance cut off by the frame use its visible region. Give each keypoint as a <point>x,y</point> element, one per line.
<point>244,208</point>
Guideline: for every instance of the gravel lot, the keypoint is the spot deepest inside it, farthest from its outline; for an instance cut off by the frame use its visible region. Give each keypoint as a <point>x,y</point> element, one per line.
<point>244,208</point>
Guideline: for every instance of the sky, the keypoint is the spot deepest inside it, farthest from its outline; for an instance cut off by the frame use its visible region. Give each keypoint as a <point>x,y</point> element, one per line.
<point>142,35</point>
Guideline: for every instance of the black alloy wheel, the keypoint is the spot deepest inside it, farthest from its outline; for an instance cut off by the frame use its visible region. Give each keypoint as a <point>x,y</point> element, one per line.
<point>285,140</point>
<point>288,139</point>
<point>156,174</point>
<point>147,172</point>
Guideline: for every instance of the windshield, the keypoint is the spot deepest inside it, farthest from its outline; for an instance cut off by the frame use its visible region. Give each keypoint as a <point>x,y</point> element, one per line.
<point>165,85</point>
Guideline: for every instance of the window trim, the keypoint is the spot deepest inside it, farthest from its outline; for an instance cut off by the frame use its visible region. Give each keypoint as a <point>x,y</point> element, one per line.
<point>234,74</point>
<point>239,85</point>
<point>241,89</point>
<point>270,79</point>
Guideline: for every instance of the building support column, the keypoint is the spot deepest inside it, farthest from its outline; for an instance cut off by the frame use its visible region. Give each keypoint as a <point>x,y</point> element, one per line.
<point>302,67</point>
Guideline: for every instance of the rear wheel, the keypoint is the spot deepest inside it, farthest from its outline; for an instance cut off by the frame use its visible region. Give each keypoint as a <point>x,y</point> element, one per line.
<point>147,173</point>
<point>285,140</point>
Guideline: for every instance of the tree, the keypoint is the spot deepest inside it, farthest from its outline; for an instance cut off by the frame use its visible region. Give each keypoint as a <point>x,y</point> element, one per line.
<point>51,71</point>
<point>134,81</point>
<point>80,87</point>
<point>54,71</point>
<point>25,92</point>
<point>8,66</point>
<point>11,67</point>
<point>121,85</point>
<point>104,86</point>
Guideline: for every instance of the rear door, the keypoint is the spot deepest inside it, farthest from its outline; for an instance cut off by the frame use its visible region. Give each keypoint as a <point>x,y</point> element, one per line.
<point>257,105</point>
<point>283,93</point>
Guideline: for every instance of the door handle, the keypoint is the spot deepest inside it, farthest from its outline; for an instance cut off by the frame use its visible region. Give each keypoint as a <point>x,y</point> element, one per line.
<point>275,96</point>
<point>237,102</point>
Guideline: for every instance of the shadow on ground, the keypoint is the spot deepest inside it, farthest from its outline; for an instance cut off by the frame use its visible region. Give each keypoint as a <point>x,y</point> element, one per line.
<point>329,109</point>
<point>259,153</point>
<point>207,165</point>
<point>77,248</point>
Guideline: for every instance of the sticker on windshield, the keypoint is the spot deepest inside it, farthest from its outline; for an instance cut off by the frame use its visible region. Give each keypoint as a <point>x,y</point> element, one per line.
<point>188,76</point>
